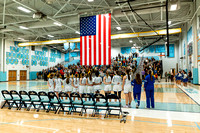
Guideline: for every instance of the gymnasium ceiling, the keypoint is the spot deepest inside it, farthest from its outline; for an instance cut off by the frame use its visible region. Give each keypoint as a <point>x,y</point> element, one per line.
<point>67,12</point>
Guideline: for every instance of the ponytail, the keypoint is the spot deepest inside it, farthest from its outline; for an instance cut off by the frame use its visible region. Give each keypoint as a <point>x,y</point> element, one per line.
<point>150,75</point>
<point>67,80</point>
<point>107,74</point>
<point>128,73</point>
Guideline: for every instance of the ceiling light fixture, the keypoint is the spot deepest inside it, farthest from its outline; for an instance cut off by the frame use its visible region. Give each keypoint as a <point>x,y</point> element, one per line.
<point>118,28</point>
<point>173,7</point>
<point>77,32</point>
<point>24,9</point>
<point>56,23</point>
<point>169,22</point>
<point>90,0</point>
<point>130,41</point>
<point>50,36</point>
<point>22,27</point>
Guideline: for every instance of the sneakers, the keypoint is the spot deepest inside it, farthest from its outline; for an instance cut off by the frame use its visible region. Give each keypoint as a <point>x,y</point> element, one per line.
<point>126,106</point>
<point>137,106</point>
<point>129,106</point>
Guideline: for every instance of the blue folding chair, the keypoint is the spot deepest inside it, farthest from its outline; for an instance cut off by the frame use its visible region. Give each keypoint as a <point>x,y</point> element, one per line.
<point>89,104</point>
<point>66,102</point>
<point>100,104</point>
<point>77,103</point>
<point>25,99</point>
<point>16,98</point>
<point>114,105</point>
<point>54,102</point>
<point>7,97</point>
<point>35,100</point>
<point>44,100</point>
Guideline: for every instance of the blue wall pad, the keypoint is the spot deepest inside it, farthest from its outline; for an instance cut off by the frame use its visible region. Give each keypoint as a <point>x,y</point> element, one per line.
<point>33,75</point>
<point>195,75</point>
<point>3,76</point>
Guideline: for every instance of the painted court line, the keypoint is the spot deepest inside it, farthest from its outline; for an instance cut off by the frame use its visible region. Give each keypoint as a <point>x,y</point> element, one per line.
<point>197,125</point>
<point>17,123</point>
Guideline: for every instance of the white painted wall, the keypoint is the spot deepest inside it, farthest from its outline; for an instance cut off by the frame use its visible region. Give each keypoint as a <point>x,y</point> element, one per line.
<point>30,68</point>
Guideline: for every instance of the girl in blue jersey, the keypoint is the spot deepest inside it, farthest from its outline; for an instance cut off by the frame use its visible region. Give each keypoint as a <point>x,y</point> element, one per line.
<point>149,88</point>
<point>137,85</point>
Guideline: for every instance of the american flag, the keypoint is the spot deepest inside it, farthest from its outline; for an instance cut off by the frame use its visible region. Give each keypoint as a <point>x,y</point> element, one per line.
<point>95,40</point>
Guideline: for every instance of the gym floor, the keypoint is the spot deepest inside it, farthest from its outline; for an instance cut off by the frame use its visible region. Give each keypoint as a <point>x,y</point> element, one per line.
<point>176,110</point>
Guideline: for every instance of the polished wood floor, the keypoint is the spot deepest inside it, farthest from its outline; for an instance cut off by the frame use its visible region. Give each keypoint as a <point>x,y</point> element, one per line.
<point>12,121</point>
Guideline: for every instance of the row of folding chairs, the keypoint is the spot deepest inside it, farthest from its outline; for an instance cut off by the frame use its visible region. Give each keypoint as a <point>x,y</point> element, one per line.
<point>65,103</point>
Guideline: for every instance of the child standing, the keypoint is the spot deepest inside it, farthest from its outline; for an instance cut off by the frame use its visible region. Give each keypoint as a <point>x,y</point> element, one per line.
<point>137,84</point>
<point>58,85</point>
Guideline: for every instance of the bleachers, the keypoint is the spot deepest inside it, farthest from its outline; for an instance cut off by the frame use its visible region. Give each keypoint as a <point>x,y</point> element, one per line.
<point>50,102</point>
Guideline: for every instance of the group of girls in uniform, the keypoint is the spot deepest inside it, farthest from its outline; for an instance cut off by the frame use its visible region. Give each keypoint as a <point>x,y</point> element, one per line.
<point>181,76</point>
<point>86,83</point>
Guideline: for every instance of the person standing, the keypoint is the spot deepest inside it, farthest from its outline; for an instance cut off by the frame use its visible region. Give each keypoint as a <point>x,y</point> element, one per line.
<point>107,82</point>
<point>50,83</point>
<point>166,77</point>
<point>137,85</point>
<point>149,89</point>
<point>82,83</point>
<point>58,85</point>
<point>127,88</point>
<point>117,88</point>
<point>67,84</point>
<point>185,78</point>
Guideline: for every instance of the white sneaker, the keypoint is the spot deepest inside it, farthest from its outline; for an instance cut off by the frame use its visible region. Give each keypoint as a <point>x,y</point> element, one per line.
<point>129,106</point>
<point>126,106</point>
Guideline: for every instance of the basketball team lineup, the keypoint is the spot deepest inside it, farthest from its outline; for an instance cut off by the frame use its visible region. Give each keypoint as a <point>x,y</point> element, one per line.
<point>99,66</point>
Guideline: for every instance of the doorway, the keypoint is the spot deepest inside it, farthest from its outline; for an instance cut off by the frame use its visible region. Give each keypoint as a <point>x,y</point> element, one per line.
<point>12,75</point>
<point>23,75</point>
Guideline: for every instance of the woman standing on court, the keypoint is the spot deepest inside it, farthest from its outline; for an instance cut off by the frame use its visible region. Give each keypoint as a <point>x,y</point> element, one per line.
<point>67,84</point>
<point>82,88</point>
<point>58,85</point>
<point>117,88</point>
<point>75,83</point>
<point>137,85</point>
<point>149,88</point>
<point>97,82</point>
<point>126,86</point>
<point>89,83</point>
<point>107,82</point>
<point>50,83</point>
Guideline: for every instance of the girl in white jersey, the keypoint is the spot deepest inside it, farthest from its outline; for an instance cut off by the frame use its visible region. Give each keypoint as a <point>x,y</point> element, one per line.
<point>82,88</point>
<point>58,85</point>
<point>107,82</point>
<point>50,83</point>
<point>97,82</point>
<point>67,84</point>
<point>117,87</point>
<point>89,83</point>
<point>127,88</point>
<point>75,83</point>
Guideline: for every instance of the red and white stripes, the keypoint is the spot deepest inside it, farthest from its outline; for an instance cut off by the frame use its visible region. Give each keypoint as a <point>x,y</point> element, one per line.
<point>96,49</point>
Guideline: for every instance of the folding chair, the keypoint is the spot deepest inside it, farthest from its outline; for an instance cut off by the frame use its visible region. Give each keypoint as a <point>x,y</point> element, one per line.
<point>88,104</point>
<point>77,103</point>
<point>114,105</point>
<point>66,102</point>
<point>44,99</point>
<point>53,101</point>
<point>100,105</point>
<point>25,99</point>
<point>16,98</point>
<point>35,100</point>
<point>7,98</point>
